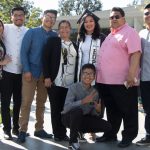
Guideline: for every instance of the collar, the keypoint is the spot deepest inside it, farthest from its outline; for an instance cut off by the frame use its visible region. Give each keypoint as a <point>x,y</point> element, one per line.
<point>84,86</point>
<point>16,27</point>
<point>66,42</point>
<point>114,31</point>
<point>45,30</point>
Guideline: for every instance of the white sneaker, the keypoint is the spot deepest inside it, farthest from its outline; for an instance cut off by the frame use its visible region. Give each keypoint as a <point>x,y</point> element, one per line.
<point>74,146</point>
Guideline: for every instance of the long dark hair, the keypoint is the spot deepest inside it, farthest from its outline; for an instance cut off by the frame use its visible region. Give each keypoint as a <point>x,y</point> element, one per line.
<point>96,32</point>
<point>2,23</point>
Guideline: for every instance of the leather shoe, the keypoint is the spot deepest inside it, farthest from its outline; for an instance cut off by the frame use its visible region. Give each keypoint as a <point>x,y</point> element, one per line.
<point>7,135</point>
<point>106,139</point>
<point>58,139</point>
<point>124,143</point>
<point>21,137</point>
<point>42,134</point>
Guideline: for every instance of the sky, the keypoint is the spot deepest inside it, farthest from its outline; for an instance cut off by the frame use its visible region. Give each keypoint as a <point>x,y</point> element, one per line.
<point>107,4</point>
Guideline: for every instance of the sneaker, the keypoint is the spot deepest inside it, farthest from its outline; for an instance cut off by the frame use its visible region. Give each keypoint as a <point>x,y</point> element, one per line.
<point>22,137</point>
<point>15,132</point>
<point>42,134</point>
<point>81,138</point>
<point>7,135</point>
<point>74,146</point>
<point>144,141</point>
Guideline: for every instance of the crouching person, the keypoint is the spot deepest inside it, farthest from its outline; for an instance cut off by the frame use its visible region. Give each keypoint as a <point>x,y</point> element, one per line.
<point>82,108</point>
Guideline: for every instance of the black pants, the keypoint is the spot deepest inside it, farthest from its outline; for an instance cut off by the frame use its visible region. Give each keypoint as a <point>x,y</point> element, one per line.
<point>77,122</point>
<point>11,86</point>
<point>121,104</point>
<point>102,101</point>
<point>57,97</point>
<point>145,95</point>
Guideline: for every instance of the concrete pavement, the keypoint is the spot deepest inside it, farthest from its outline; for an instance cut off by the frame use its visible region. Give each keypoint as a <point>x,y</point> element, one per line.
<point>34,143</point>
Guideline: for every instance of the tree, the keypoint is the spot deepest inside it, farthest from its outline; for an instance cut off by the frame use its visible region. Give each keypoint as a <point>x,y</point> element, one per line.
<point>34,19</point>
<point>7,5</point>
<point>76,7</point>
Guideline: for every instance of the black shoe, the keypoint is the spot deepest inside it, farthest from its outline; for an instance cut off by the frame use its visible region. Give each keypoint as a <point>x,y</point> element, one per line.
<point>106,139</point>
<point>21,137</point>
<point>42,134</point>
<point>7,135</point>
<point>144,141</point>
<point>15,132</point>
<point>124,143</point>
<point>66,138</point>
<point>58,139</point>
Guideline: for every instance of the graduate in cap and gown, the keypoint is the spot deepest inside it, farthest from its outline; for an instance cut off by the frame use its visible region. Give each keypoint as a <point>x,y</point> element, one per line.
<point>89,40</point>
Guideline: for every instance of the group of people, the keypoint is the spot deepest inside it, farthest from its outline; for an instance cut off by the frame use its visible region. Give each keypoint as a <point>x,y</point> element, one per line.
<point>80,77</point>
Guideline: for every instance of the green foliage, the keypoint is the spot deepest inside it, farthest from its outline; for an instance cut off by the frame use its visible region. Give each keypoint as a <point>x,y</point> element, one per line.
<point>32,13</point>
<point>76,7</point>
<point>34,19</point>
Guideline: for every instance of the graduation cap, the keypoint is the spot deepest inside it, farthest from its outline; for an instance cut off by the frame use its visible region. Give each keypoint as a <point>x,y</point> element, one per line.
<point>87,13</point>
<point>147,6</point>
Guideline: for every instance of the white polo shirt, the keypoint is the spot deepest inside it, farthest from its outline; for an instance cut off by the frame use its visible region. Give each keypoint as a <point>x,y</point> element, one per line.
<point>13,36</point>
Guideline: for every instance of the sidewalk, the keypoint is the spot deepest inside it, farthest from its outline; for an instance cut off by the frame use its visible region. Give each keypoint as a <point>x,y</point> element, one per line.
<point>34,143</point>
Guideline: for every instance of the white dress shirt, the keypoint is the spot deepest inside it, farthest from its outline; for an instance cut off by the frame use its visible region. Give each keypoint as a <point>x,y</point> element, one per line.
<point>13,36</point>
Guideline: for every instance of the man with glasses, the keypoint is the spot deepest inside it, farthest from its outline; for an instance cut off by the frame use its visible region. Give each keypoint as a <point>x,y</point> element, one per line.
<point>12,72</point>
<point>145,74</point>
<point>82,108</point>
<point>117,75</point>
<point>31,53</point>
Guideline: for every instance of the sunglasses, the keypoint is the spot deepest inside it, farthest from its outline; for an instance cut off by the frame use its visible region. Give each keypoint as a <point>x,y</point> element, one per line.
<point>147,13</point>
<point>115,17</point>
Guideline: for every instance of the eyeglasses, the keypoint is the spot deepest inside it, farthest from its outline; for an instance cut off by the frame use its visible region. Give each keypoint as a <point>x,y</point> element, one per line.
<point>50,17</point>
<point>146,13</point>
<point>18,15</point>
<point>115,17</point>
<point>90,74</point>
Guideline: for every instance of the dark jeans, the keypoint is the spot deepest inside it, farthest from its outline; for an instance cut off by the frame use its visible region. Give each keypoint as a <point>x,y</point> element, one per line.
<point>11,86</point>
<point>121,104</point>
<point>145,95</point>
<point>77,122</point>
<point>57,97</point>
